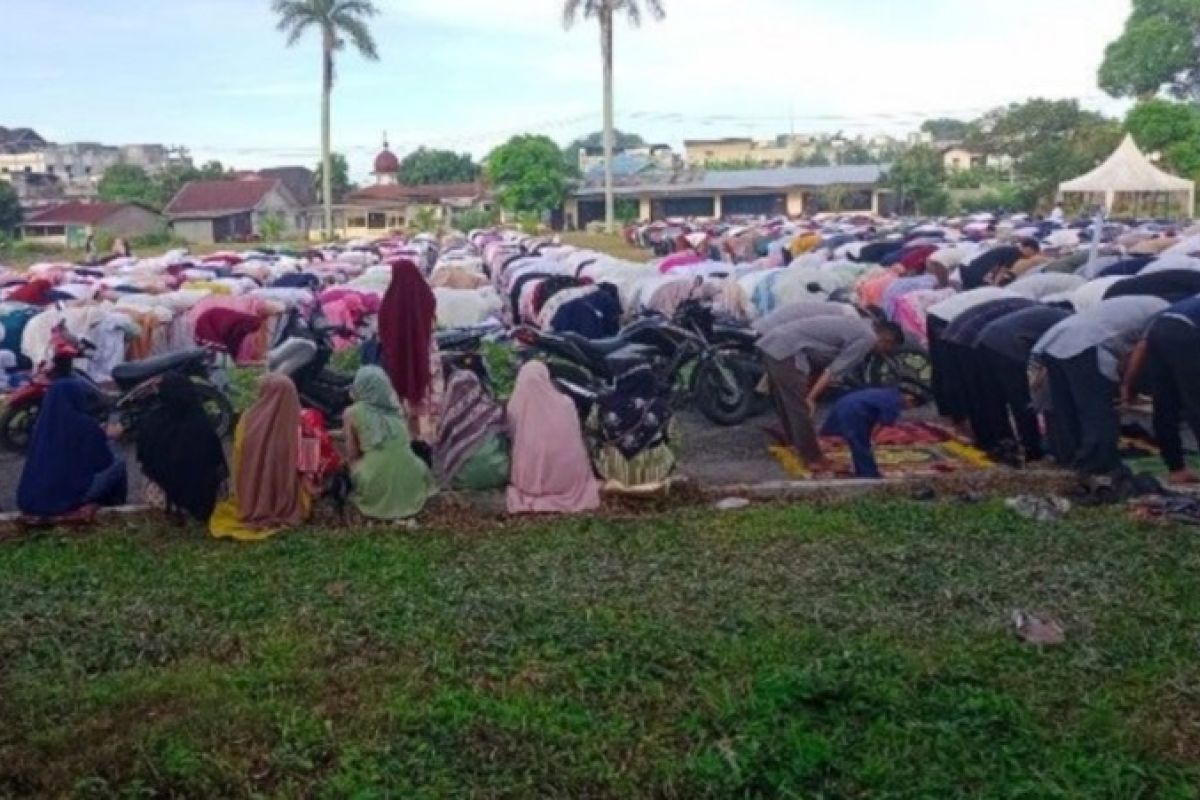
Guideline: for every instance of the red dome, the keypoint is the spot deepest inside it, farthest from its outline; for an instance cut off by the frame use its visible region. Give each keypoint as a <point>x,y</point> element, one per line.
<point>386,163</point>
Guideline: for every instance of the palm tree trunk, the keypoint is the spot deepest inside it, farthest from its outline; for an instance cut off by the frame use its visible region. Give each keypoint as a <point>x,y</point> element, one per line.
<point>606,50</point>
<point>326,155</point>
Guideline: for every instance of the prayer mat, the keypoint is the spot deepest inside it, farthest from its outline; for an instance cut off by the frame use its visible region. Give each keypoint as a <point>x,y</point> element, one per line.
<point>902,450</point>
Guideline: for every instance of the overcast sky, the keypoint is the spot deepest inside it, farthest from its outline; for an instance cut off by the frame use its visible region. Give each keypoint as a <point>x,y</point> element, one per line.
<point>465,74</point>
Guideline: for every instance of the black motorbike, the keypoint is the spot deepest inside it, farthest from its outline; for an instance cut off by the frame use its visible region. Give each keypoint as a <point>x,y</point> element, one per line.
<point>302,351</point>
<point>684,363</point>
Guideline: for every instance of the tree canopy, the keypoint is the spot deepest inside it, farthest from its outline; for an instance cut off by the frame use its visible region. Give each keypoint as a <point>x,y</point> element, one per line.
<point>10,208</point>
<point>126,183</point>
<point>339,171</point>
<point>917,177</point>
<point>528,174</point>
<point>1049,140</point>
<point>1171,129</point>
<point>1159,48</point>
<point>423,167</point>
<point>944,129</point>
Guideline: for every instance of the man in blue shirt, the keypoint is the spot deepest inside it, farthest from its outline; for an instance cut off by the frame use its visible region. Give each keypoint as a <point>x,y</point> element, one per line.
<point>854,418</point>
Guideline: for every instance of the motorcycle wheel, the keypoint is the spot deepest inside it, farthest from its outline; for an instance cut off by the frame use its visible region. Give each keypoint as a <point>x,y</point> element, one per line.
<point>16,426</point>
<point>218,408</point>
<point>723,408</point>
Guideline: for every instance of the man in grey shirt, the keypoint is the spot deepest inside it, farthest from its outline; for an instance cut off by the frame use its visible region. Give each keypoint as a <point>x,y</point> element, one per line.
<point>801,310</point>
<point>824,348</point>
<point>1084,356</point>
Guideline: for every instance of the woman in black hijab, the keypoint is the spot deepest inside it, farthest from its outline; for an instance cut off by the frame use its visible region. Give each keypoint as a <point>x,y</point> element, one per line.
<point>180,452</point>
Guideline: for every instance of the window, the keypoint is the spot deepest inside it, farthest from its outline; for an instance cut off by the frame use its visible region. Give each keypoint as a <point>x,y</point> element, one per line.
<point>376,220</point>
<point>50,169</point>
<point>28,170</point>
<point>356,222</point>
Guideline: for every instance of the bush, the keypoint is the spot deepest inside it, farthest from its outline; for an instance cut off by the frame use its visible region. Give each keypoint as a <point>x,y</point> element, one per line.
<point>476,219</point>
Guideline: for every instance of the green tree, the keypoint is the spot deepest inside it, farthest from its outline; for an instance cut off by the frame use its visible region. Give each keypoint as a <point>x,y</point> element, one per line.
<point>528,174</point>
<point>168,182</point>
<point>127,183</point>
<point>270,226</point>
<point>423,167</point>
<point>1049,140</point>
<point>336,21</point>
<point>1160,47</point>
<point>10,209</point>
<point>917,178</point>
<point>1172,129</point>
<point>945,129</point>
<point>603,12</point>
<point>425,220</point>
<point>340,185</point>
<point>212,171</point>
<point>855,153</point>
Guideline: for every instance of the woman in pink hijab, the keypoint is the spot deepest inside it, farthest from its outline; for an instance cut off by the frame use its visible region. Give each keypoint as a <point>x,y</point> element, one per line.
<point>550,468</point>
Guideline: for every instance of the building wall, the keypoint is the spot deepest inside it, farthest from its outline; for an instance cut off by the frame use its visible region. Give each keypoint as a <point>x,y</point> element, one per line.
<point>195,231</point>
<point>132,221</point>
<point>293,216</point>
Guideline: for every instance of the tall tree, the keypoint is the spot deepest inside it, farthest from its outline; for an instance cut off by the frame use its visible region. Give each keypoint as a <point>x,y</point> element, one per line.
<point>335,21</point>
<point>423,167</point>
<point>917,178</point>
<point>1160,47</point>
<point>528,174</point>
<point>1050,141</point>
<point>603,11</point>
<point>1172,129</point>
<point>128,183</point>
<point>10,208</point>
<point>340,182</point>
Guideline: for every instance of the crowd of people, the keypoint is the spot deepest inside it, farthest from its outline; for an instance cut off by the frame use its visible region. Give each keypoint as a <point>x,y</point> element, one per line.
<point>1034,329</point>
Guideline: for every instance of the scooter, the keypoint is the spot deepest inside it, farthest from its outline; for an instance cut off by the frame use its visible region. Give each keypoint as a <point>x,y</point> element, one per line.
<point>136,395</point>
<point>302,351</point>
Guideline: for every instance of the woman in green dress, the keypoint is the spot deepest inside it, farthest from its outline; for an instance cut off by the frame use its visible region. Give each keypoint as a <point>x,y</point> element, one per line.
<point>390,481</point>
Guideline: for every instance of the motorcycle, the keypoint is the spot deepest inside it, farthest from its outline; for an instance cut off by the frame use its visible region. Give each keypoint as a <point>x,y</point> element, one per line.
<point>135,396</point>
<point>684,363</point>
<point>302,351</point>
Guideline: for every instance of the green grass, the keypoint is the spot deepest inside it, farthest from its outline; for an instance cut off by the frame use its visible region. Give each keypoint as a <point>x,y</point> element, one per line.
<point>857,650</point>
<point>614,245</point>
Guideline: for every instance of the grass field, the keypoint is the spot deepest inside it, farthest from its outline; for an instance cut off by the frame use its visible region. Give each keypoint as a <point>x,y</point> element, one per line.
<point>857,650</point>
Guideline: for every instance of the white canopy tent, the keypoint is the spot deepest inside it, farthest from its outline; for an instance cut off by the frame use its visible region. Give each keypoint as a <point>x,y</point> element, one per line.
<point>1128,172</point>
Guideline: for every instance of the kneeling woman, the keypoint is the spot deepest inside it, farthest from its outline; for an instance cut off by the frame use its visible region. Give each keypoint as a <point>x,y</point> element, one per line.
<point>71,467</point>
<point>550,468</point>
<point>180,452</point>
<point>389,481</point>
<point>269,490</point>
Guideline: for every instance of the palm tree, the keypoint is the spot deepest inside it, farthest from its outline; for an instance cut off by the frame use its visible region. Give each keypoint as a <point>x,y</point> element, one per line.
<point>604,10</point>
<point>336,20</point>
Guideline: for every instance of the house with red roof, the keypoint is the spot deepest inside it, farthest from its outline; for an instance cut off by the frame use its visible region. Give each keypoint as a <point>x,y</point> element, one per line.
<point>70,224</point>
<point>234,210</point>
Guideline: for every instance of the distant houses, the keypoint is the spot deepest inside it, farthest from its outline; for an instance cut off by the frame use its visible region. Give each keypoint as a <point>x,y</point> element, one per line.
<point>70,224</point>
<point>209,212</point>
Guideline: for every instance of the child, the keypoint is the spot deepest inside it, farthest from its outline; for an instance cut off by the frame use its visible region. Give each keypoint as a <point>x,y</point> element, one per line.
<point>854,418</point>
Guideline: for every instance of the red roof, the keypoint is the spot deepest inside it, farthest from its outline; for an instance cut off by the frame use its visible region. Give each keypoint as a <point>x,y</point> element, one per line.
<point>432,193</point>
<point>75,213</point>
<point>217,198</point>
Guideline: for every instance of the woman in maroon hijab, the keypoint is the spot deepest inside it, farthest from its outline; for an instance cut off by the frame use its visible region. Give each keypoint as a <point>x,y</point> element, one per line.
<point>407,317</point>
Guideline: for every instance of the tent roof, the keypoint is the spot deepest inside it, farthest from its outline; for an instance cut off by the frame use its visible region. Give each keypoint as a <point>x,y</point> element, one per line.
<point>1127,170</point>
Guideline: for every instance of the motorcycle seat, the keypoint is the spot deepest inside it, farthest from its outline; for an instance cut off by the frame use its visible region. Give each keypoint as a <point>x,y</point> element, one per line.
<point>291,356</point>
<point>596,348</point>
<point>135,372</point>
